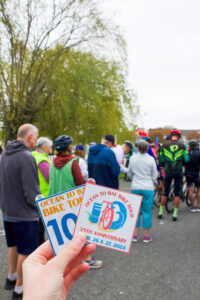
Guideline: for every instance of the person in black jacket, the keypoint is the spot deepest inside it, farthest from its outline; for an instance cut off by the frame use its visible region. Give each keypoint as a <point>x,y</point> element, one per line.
<point>192,169</point>
<point>19,185</point>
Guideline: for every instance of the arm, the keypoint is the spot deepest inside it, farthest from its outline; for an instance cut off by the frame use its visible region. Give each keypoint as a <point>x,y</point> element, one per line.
<point>185,155</point>
<point>113,164</point>
<point>130,168</point>
<point>83,167</point>
<point>161,158</point>
<point>154,172</point>
<point>76,171</point>
<point>47,277</point>
<point>29,178</point>
<point>44,167</point>
<point>150,152</point>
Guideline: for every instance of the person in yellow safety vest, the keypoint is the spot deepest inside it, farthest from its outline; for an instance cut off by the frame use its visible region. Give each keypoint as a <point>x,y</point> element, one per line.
<point>44,147</point>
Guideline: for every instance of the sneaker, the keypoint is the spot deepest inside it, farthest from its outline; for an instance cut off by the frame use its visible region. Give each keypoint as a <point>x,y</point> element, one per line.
<point>160,216</point>
<point>194,209</point>
<point>147,239</point>
<point>174,218</point>
<point>94,264</point>
<point>9,284</point>
<point>198,209</point>
<point>135,238</point>
<point>16,296</point>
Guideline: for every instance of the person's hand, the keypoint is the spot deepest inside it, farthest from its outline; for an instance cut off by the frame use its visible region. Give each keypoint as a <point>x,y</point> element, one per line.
<point>46,277</point>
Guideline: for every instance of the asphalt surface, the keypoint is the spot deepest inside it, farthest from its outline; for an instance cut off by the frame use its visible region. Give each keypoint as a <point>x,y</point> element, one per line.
<point>166,269</point>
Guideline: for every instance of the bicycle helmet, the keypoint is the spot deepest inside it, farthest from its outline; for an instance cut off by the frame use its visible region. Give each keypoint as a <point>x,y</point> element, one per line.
<point>193,144</point>
<point>62,142</point>
<point>147,139</point>
<point>141,132</point>
<point>175,132</point>
<point>167,137</point>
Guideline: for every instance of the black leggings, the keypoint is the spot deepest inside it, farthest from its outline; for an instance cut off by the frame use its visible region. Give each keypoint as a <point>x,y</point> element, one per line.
<point>178,177</point>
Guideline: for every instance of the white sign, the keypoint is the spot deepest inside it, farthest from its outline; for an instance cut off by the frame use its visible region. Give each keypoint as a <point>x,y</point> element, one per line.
<point>59,215</point>
<point>108,217</point>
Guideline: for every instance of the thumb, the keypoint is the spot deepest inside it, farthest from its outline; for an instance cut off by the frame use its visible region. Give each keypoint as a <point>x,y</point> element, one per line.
<point>71,250</point>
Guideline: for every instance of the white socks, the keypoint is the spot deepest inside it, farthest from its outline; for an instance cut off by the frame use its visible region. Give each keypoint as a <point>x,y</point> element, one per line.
<point>13,276</point>
<point>19,289</point>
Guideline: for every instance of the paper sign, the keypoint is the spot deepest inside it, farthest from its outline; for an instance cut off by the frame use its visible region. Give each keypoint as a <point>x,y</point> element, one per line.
<point>59,214</point>
<point>108,217</point>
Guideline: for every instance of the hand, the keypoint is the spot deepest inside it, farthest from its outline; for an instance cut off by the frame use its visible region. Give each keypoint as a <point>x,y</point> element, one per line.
<point>46,277</point>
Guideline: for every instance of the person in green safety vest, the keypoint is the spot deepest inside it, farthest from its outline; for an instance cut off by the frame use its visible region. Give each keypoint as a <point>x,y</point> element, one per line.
<point>44,147</point>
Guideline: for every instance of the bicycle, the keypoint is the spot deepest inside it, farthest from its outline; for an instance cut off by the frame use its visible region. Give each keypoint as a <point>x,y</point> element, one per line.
<point>158,192</point>
<point>107,216</point>
<point>157,196</point>
<point>169,205</point>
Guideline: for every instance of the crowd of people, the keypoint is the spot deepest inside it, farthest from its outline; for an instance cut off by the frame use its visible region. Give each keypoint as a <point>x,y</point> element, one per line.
<point>26,172</point>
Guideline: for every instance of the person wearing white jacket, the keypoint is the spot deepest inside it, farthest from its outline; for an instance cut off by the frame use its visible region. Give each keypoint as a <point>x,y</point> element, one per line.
<point>143,173</point>
<point>80,153</point>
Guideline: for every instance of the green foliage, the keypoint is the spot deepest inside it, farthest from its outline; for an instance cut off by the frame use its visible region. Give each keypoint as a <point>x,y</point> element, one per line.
<point>88,101</point>
<point>44,80</point>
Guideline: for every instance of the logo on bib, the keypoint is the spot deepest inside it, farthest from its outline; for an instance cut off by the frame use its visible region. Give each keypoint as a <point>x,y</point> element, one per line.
<point>108,216</point>
<point>173,148</point>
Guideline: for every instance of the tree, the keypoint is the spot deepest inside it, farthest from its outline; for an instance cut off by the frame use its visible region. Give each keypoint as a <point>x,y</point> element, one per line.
<point>92,100</point>
<point>29,29</point>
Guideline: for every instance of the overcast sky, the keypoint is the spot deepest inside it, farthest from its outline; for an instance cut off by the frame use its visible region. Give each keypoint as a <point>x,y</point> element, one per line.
<point>163,40</point>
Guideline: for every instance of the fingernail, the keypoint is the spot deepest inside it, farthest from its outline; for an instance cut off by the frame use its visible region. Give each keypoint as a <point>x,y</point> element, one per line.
<point>80,237</point>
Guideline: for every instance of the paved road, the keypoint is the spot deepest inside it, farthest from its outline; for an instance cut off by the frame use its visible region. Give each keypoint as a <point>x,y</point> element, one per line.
<point>166,269</point>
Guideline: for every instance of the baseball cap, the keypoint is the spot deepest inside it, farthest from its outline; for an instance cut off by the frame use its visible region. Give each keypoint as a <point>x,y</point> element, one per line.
<point>80,147</point>
<point>129,144</point>
<point>109,138</point>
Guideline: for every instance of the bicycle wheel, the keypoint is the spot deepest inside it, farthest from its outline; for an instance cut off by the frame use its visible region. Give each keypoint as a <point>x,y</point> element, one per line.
<point>169,205</point>
<point>107,219</point>
<point>185,194</point>
<point>188,202</point>
<point>156,198</point>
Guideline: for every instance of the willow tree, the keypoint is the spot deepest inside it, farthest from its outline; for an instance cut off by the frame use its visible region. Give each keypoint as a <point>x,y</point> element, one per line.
<point>28,29</point>
<point>92,99</point>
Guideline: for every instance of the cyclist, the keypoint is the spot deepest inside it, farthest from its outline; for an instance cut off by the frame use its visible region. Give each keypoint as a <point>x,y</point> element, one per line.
<point>173,155</point>
<point>167,138</point>
<point>192,169</point>
<point>65,174</point>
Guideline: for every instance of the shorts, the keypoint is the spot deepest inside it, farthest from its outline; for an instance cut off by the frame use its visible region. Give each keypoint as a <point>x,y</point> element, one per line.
<point>193,179</point>
<point>178,177</point>
<point>24,235</point>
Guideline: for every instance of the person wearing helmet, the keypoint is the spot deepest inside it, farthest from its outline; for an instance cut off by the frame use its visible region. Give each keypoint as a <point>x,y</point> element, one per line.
<point>167,137</point>
<point>192,169</point>
<point>65,174</point>
<point>172,156</point>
